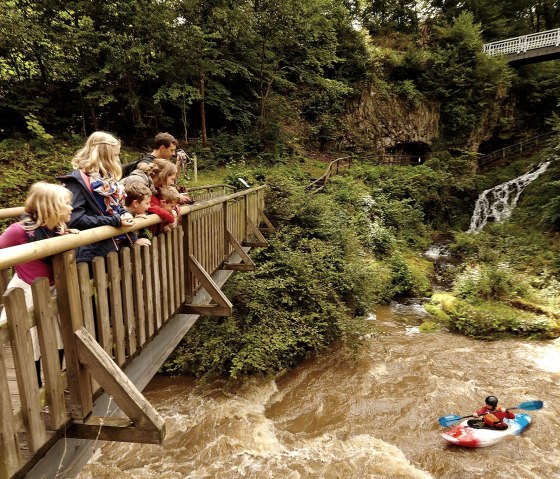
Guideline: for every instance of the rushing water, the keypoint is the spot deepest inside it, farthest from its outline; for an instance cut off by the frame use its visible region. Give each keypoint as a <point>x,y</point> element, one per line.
<point>341,417</point>
<point>497,203</point>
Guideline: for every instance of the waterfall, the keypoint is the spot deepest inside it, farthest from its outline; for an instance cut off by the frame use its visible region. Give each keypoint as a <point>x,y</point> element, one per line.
<point>497,203</point>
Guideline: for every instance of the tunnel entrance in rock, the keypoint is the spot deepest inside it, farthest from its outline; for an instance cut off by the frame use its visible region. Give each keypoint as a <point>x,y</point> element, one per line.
<point>418,150</point>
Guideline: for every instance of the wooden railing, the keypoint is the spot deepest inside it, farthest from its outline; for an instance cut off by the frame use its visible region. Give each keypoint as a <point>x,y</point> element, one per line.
<point>197,193</point>
<point>108,312</point>
<point>524,147</point>
<point>549,38</point>
<point>342,164</point>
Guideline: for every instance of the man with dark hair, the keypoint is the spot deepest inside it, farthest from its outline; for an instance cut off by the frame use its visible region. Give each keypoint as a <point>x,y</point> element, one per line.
<point>165,148</point>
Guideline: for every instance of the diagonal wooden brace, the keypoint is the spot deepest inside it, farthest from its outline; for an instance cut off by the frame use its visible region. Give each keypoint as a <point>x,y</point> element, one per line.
<point>251,228</point>
<point>144,424</point>
<point>223,305</point>
<point>247,263</point>
<point>269,226</point>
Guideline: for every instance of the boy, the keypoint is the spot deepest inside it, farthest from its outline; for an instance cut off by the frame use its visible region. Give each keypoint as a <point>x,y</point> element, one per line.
<point>166,205</point>
<point>137,202</point>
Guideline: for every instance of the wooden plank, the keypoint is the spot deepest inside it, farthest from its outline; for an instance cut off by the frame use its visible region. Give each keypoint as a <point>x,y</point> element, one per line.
<point>176,269</point>
<point>103,320</point>
<point>138,281</point>
<point>3,284</point>
<point>116,307</point>
<point>115,382</point>
<point>181,262</point>
<point>170,268</point>
<point>22,350</point>
<point>114,429</point>
<point>225,231</point>
<point>163,277</point>
<point>86,296</point>
<point>187,285</point>
<point>147,271</point>
<point>47,325</point>
<point>71,319</point>
<point>9,447</point>
<point>128,301</point>
<point>157,283</point>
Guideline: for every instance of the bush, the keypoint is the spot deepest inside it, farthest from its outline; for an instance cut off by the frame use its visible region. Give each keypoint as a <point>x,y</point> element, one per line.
<point>489,282</point>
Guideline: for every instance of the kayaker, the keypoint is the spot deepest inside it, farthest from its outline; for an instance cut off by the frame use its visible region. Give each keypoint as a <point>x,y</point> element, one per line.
<point>493,415</point>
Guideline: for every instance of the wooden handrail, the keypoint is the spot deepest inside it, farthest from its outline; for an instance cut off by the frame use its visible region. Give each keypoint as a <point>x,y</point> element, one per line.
<point>17,211</point>
<point>48,247</point>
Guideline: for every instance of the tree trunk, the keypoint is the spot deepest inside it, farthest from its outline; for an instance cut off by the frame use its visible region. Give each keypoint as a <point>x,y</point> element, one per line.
<point>202,76</point>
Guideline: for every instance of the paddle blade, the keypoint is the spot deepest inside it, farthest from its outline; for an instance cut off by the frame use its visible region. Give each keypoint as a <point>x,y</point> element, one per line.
<point>448,420</point>
<point>531,405</point>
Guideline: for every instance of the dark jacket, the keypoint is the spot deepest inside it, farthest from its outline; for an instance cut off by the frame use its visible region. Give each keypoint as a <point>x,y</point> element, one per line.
<point>87,214</point>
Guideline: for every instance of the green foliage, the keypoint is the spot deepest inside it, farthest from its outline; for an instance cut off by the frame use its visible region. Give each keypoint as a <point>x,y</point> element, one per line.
<point>489,282</point>
<point>462,78</point>
<point>489,320</point>
<point>409,276</point>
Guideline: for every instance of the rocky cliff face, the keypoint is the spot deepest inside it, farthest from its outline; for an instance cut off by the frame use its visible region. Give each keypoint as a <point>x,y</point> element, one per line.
<point>383,121</point>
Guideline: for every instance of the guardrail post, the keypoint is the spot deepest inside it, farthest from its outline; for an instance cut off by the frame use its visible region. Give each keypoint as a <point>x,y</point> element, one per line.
<point>71,319</point>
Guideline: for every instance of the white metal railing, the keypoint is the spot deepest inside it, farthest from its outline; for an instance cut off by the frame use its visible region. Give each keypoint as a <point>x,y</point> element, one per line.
<point>550,38</point>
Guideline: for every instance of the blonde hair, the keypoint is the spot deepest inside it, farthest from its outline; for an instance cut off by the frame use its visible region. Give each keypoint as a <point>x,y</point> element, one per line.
<point>47,205</point>
<point>165,170</point>
<point>100,155</point>
<point>169,194</point>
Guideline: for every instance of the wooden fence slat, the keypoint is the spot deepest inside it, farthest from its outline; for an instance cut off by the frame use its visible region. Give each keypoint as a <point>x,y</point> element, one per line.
<point>147,270</point>
<point>71,319</point>
<point>154,250</point>
<point>170,266</point>
<point>9,446</point>
<point>102,305</point>
<point>176,269</point>
<point>87,299</point>
<point>3,283</point>
<point>116,307</point>
<point>22,350</point>
<point>128,301</point>
<point>181,262</point>
<point>138,295</point>
<point>163,277</point>
<point>47,324</point>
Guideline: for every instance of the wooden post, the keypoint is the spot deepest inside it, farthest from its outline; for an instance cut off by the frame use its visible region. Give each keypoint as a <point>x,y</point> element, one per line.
<point>9,446</point>
<point>71,319</point>
<point>22,351</point>
<point>47,325</point>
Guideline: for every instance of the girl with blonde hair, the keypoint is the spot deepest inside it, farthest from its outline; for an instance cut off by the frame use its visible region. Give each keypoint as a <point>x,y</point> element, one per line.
<point>47,209</point>
<point>96,192</point>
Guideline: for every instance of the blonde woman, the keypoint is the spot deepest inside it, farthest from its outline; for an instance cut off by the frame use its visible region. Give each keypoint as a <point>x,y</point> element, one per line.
<point>47,209</point>
<point>96,192</point>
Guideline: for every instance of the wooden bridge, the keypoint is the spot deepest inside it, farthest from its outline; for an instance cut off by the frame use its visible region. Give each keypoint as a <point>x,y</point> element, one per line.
<point>533,48</point>
<point>119,317</point>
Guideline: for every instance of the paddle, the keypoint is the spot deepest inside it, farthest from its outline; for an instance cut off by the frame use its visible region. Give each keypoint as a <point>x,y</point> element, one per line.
<point>450,419</point>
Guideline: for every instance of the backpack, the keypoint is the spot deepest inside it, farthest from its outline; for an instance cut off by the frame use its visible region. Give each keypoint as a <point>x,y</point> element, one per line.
<point>130,167</point>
